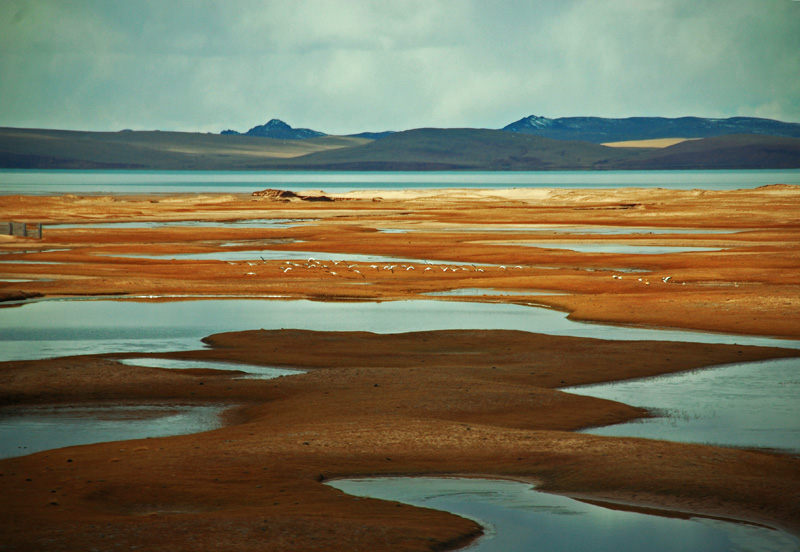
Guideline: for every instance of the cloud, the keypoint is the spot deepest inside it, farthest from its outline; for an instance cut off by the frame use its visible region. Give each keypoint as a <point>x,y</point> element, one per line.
<point>348,66</point>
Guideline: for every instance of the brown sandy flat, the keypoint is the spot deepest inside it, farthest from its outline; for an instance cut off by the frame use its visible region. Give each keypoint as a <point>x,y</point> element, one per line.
<point>457,402</point>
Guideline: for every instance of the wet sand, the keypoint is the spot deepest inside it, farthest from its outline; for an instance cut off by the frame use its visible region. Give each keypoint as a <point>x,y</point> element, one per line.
<point>453,402</point>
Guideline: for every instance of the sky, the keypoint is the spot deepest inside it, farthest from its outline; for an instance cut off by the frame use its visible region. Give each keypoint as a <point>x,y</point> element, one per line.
<point>349,66</point>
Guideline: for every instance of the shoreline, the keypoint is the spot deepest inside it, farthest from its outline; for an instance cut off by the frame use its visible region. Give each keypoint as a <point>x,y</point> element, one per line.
<point>398,407</point>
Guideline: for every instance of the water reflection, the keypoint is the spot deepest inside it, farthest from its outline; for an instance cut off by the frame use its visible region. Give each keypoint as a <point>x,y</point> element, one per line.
<point>250,370</point>
<point>33,429</point>
<point>751,404</point>
<point>245,223</point>
<point>611,247</point>
<point>65,327</point>
<point>516,517</point>
<point>272,254</point>
<point>487,291</point>
<point>564,229</point>
<point>54,182</point>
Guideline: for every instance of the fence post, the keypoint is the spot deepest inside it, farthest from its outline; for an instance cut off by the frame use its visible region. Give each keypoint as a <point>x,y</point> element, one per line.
<point>21,229</point>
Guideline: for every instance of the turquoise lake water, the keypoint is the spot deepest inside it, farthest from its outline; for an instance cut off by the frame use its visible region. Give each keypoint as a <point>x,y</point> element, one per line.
<point>13,181</point>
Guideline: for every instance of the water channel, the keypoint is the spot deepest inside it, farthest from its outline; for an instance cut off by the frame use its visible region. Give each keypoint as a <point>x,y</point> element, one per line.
<point>51,328</point>
<point>753,404</point>
<point>627,249</point>
<point>517,517</point>
<point>25,430</point>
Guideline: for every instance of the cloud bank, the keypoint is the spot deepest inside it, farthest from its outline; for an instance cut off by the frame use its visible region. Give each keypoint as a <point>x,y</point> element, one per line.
<point>350,66</point>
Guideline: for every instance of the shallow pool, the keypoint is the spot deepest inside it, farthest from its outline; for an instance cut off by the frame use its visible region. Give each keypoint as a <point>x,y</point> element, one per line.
<point>249,370</point>
<point>53,328</point>
<point>487,291</point>
<point>273,254</point>
<point>753,404</point>
<point>517,517</point>
<point>34,429</point>
<point>612,247</point>
<point>245,223</point>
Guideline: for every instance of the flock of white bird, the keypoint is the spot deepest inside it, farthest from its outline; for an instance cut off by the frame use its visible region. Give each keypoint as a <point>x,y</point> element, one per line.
<point>342,268</point>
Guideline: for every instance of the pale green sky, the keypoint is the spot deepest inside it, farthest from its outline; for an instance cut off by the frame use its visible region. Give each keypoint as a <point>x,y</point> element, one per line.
<point>348,66</point>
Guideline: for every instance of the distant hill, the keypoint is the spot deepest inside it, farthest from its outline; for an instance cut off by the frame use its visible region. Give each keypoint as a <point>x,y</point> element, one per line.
<point>463,149</point>
<point>496,150</point>
<point>279,130</point>
<point>372,135</point>
<point>600,130</point>
<point>68,149</point>
<point>424,149</point>
<point>736,151</point>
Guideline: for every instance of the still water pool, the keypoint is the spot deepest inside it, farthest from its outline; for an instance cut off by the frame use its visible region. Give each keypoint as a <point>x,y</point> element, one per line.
<point>621,248</point>
<point>248,370</point>
<point>516,517</point>
<point>33,429</point>
<point>54,328</point>
<point>244,223</point>
<point>753,404</point>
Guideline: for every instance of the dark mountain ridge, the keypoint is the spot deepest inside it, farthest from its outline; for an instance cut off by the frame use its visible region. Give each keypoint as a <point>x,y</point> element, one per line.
<point>601,130</point>
<point>279,130</point>
<point>412,150</point>
<point>464,149</point>
<point>497,150</point>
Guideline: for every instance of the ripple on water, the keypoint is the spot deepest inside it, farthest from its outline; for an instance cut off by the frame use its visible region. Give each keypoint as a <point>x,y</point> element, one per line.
<point>520,518</point>
<point>751,404</point>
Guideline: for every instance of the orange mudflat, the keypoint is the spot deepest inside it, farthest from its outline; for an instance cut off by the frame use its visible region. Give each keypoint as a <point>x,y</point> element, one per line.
<point>480,402</point>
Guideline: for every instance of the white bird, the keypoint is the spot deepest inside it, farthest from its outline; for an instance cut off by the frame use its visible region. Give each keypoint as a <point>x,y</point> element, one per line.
<point>288,268</point>
<point>409,268</point>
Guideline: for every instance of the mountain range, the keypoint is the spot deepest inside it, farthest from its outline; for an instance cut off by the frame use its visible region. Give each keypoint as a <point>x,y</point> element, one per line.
<point>532,143</point>
<point>598,130</point>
